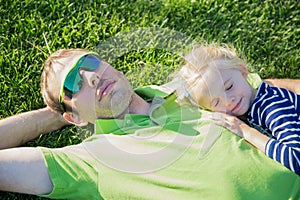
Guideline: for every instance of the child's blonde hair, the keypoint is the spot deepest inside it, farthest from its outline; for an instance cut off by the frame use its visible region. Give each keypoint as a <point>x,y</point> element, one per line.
<point>50,75</point>
<point>202,58</point>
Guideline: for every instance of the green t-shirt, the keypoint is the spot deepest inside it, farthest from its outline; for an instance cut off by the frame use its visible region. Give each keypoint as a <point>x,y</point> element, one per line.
<point>173,153</point>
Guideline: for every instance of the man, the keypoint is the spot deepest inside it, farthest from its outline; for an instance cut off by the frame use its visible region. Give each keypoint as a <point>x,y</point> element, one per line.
<point>146,146</point>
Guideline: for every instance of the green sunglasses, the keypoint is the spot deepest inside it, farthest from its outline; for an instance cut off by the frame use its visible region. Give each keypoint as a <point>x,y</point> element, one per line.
<point>73,81</point>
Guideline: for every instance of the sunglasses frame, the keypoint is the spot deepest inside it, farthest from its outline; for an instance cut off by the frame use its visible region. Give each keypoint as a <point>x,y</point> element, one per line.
<point>75,66</point>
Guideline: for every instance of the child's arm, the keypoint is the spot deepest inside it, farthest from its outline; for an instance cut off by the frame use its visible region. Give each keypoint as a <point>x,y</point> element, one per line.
<point>290,84</point>
<point>241,129</point>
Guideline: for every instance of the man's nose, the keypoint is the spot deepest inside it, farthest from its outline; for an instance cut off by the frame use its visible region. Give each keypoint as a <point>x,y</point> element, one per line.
<point>90,77</point>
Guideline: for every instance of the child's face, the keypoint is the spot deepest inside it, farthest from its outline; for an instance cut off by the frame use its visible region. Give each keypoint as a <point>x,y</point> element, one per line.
<point>224,90</point>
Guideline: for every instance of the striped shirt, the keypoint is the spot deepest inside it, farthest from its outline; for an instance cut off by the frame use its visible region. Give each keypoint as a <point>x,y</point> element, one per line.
<point>277,111</point>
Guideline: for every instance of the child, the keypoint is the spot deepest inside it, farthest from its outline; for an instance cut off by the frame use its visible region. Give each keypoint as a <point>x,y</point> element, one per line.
<point>215,78</point>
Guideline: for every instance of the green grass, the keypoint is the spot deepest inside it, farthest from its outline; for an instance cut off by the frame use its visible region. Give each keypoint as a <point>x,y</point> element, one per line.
<point>268,32</point>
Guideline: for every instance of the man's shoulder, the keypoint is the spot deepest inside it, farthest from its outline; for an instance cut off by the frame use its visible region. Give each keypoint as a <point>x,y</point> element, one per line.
<point>152,91</point>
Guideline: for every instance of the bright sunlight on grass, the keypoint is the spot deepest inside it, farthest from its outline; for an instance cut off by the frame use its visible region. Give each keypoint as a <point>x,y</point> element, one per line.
<point>268,32</point>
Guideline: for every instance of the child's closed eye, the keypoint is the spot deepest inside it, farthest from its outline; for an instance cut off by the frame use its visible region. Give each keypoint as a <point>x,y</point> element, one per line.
<point>229,87</point>
<point>215,103</point>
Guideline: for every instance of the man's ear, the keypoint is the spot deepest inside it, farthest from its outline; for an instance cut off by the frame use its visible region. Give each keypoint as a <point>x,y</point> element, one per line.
<point>74,119</point>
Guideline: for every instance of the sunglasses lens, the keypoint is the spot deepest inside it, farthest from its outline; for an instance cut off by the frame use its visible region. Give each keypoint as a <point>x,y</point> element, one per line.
<point>73,81</point>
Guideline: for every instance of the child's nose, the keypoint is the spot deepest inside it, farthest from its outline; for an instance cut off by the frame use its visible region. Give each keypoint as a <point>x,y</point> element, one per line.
<point>229,101</point>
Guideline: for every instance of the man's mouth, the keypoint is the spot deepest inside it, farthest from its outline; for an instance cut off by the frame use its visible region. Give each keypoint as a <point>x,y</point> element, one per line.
<point>104,89</point>
<point>237,106</point>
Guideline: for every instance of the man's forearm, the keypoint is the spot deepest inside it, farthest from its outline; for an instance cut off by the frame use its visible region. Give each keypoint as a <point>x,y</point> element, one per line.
<point>19,129</point>
<point>290,84</point>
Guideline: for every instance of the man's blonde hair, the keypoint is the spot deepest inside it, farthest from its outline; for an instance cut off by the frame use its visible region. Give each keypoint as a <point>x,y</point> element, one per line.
<point>50,75</point>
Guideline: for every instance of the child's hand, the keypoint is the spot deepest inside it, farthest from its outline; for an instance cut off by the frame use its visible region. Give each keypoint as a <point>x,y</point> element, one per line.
<point>230,122</point>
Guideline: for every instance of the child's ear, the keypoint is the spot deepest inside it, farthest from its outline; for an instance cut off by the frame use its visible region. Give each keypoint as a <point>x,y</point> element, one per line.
<point>74,119</point>
<point>244,70</point>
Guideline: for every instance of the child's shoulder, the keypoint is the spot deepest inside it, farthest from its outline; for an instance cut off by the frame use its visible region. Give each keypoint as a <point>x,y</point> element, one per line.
<point>276,91</point>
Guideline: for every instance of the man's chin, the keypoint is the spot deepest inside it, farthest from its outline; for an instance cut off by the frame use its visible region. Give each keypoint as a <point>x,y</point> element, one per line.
<point>120,110</point>
<point>117,107</point>
<point>113,114</point>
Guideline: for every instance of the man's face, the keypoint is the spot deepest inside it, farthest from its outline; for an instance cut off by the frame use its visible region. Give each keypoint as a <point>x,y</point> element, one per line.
<point>104,93</point>
<point>224,90</point>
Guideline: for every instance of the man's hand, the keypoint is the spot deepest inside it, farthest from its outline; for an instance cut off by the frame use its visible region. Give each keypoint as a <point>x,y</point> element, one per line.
<point>290,84</point>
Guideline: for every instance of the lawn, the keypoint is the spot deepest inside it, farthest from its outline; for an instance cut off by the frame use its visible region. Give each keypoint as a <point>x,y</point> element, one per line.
<point>145,39</point>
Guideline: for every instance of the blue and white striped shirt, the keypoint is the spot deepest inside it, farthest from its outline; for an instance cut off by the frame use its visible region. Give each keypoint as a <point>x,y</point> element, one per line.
<point>277,110</point>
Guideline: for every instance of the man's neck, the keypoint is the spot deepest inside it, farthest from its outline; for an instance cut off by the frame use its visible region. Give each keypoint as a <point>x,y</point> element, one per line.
<point>138,105</point>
